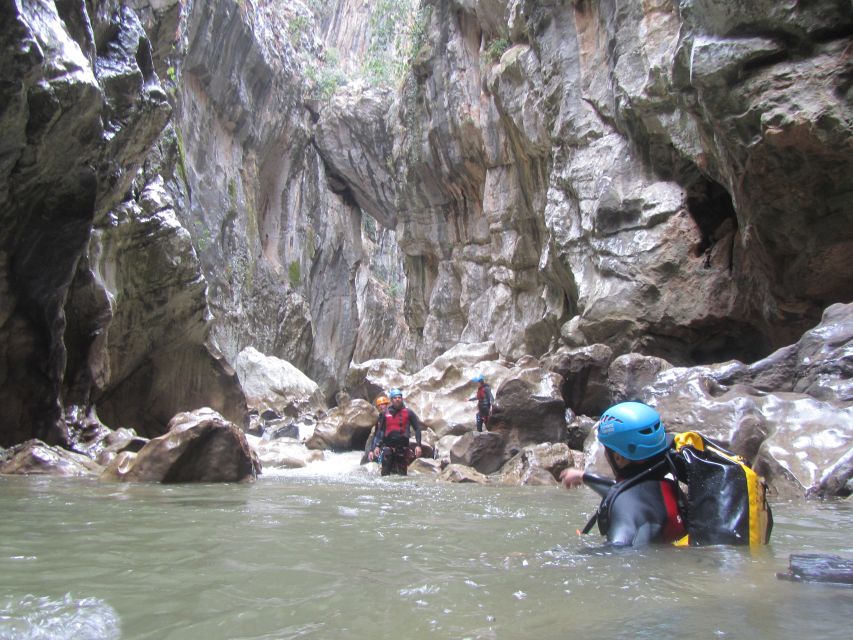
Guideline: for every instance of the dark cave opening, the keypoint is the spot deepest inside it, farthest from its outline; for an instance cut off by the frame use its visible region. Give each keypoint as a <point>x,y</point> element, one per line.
<point>710,205</point>
<point>738,342</point>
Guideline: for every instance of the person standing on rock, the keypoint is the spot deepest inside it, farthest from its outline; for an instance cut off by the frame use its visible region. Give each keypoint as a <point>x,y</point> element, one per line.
<point>484,400</point>
<point>392,436</point>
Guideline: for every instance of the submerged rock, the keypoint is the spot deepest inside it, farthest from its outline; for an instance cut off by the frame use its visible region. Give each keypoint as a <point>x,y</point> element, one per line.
<point>461,473</point>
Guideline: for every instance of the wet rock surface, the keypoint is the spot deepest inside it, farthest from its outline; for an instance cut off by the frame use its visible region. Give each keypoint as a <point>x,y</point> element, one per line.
<point>200,446</point>
<point>34,457</point>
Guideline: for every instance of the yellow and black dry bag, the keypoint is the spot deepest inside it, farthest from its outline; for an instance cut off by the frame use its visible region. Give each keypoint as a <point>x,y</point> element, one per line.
<point>726,500</point>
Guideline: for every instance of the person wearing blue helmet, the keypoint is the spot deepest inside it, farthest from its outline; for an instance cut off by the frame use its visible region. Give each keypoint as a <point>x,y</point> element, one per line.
<point>484,400</point>
<point>643,504</point>
<point>393,430</point>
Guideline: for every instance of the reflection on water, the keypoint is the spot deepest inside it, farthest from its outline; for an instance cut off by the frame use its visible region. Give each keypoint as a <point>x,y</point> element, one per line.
<point>338,552</point>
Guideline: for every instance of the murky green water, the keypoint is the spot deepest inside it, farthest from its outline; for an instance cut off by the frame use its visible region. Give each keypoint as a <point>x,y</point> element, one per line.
<point>355,556</point>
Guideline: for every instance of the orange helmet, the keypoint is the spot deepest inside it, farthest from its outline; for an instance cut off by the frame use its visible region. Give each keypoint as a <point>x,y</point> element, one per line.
<point>382,401</point>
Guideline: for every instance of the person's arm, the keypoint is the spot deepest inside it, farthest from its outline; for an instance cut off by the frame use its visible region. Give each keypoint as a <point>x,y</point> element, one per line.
<point>380,431</point>
<point>416,425</point>
<point>490,397</point>
<point>599,484</point>
<point>572,477</point>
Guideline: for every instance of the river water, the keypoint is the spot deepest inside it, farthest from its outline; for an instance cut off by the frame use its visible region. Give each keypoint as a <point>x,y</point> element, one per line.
<point>334,551</point>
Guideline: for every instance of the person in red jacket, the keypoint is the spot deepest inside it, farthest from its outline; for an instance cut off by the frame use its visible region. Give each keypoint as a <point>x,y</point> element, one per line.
<point>392,436</point>
<point>484,400</point>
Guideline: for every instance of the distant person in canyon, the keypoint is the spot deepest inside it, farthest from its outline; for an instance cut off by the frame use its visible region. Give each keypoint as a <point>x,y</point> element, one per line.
<point>381,403</point>
<point>484,400</point>
<point>392,436</point>
<point>642,506</point>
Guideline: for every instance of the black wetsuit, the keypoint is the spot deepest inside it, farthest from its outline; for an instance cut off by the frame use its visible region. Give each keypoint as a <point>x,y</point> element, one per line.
<point>396,453</point>
<point>485,400</point>
<point>639,509</point>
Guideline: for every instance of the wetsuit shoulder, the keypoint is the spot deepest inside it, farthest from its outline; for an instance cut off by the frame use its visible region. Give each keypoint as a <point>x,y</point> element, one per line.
<point>638,515</point>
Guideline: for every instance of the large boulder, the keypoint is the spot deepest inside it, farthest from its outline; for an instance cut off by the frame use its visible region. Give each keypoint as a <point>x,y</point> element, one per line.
<point>273,384</point>
<point>425,467</point>
<point>372,378</point>
<point>630,373</point>
<point>441,392</point>
<point>539,464</point>
<point>820,364</point>
<point>529,409</point>
<point>344,428</point>
<point>200,446</point>
<point>482,451</point>
<point>790,438</point>
<point>585,377</point>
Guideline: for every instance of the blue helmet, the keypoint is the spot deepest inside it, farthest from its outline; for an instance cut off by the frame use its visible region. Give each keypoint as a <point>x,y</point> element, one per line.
<point>478,378</point>
<point>395,393</point>
<point>633,430</point>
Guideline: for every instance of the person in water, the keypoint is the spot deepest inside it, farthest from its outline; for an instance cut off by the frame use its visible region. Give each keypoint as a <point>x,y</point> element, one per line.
<point>484,402</point>
<point>392,436</point>
<point>642,505</point>
<point>382,402</point>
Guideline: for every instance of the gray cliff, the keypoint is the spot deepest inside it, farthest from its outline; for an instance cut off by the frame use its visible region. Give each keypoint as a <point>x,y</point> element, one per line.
<point>328,184</point>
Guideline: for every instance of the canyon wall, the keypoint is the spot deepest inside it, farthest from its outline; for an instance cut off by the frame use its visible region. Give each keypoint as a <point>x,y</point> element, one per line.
<point>334,181</point>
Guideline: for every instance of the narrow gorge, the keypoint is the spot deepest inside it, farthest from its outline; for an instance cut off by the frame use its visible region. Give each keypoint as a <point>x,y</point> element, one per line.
<point>588,201</point>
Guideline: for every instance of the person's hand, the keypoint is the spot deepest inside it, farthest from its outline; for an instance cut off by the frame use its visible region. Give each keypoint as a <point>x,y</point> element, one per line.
<point>418,451</point>
<point>571,478</point>
<point>370,456</point>
<point>376,452</point>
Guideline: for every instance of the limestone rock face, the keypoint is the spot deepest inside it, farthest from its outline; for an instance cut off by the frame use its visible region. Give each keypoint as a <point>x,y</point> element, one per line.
<point>201,446</point>
<point>143,282</point>
<point>280,249</point>
<point>610,173</point>
<point>79,108</point>
<point>353,140</point>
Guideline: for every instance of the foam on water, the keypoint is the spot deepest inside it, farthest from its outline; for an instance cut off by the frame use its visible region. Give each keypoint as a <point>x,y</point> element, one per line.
<point>333,465</point>
<point>41,618</point>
